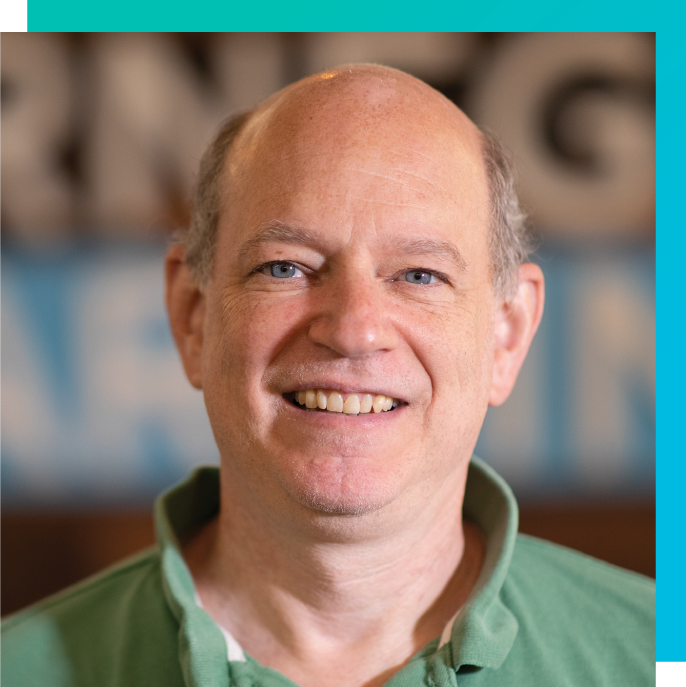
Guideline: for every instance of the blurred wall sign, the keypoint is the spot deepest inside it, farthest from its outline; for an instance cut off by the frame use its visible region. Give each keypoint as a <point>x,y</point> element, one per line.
<point>38,108</point>
<point>578,112</point>
<point>102,133</point>
<point>96,407</point>
<point>581,418</point>
<point>101,137</point>
<point>438,56</point>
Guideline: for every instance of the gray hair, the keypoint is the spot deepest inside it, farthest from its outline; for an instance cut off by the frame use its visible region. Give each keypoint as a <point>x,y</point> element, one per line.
<point>201,238</point>
<point>509,240</point>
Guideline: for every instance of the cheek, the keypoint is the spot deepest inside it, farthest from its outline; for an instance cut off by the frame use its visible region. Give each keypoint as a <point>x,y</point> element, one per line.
<point>455,348</point>
<point>248,334</point>
<point>240,341</point>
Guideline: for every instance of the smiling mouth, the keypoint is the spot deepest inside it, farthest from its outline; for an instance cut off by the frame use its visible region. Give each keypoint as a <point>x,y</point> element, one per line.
<point>336,402</point>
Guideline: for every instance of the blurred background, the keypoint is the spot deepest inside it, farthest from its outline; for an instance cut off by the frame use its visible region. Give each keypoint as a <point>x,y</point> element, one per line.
<point>101,137</point>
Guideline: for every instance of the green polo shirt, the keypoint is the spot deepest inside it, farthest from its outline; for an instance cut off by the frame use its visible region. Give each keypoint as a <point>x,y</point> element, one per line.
<point>540,615</point>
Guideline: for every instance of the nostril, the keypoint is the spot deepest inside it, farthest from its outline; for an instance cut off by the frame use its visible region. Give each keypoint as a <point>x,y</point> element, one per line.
<point>353,335</point>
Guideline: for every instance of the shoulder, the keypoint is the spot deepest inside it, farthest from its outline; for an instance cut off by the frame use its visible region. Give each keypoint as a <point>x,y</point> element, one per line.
<point>105,630</point>
<point>579,617</point>
<point>559,573</point>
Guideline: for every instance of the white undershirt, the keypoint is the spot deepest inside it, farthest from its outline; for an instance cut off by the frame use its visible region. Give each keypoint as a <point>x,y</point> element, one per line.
<point>235,652</point>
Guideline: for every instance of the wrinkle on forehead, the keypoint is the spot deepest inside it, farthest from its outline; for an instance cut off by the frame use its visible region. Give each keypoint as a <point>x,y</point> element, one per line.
<point>362,134</point>
<point>358,106</point>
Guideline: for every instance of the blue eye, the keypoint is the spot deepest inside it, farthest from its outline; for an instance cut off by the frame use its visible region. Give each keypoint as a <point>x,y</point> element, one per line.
<point>283,270</point>
<point>419,277</point>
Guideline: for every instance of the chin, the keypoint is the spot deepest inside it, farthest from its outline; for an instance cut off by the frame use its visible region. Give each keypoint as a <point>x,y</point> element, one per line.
<point>337,488</point>
<point>326,504</point>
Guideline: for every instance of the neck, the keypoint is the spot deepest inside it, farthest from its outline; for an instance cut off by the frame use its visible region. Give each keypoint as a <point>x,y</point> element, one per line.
<point>374,587</point>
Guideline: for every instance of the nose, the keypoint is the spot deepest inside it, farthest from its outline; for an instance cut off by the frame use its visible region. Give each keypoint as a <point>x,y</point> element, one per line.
<point>353,318</point>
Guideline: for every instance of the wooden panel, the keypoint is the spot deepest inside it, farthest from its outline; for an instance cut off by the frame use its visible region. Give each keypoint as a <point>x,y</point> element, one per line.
<point>621,534</point>
<point>44,552</point>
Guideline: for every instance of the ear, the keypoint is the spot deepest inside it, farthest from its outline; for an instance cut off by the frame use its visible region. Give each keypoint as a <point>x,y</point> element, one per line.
<point>515,325</point>
<point>186,310</point>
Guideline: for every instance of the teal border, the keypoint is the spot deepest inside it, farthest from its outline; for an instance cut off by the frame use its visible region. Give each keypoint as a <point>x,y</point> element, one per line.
<point>671,326</point>
<point>210,15</point>
<point>354,15</point>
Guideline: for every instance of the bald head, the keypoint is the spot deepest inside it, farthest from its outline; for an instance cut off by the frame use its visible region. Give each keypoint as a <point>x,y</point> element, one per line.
<point>358,111</point>
<point>361,101</point>
<point>344,117</point>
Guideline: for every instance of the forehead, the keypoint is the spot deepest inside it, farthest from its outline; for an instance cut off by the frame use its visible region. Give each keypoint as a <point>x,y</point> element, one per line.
<point>372,150</point>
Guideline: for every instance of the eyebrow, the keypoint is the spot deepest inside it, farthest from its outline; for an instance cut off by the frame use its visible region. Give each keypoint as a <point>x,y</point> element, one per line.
<point>439,248</point>
<point>279,232</point>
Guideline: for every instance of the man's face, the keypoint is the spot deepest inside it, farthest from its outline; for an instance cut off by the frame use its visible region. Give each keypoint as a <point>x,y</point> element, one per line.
<point>352,257</point>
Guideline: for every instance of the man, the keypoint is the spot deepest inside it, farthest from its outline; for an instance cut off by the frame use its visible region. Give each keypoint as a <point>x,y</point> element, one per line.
<point>351,297</point>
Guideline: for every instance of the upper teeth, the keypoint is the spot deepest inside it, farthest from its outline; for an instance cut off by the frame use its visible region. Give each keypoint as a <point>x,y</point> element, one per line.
<point>353,404</point>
